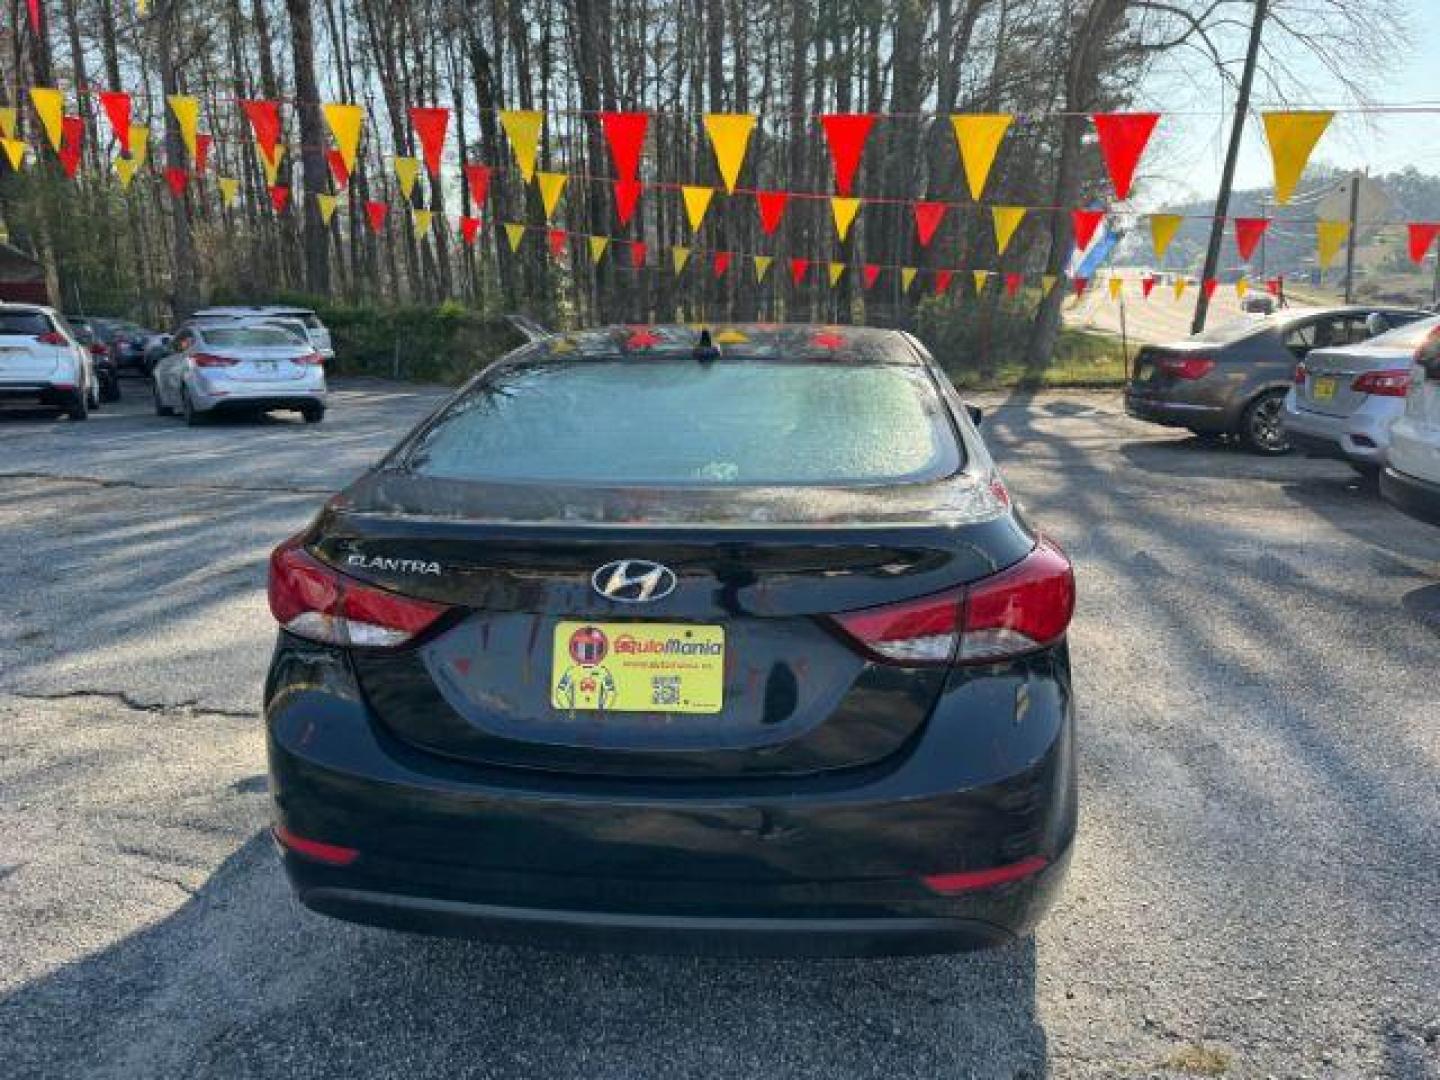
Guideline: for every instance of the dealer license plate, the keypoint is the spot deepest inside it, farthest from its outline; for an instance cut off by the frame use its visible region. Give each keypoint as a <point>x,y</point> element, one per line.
<point>638,667</point>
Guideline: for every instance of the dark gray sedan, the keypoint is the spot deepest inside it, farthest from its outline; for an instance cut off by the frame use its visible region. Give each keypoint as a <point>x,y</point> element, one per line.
<point>1232,379</point>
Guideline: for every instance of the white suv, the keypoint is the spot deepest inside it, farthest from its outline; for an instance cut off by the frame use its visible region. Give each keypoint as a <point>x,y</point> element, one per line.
<point>314,329</point>
<point>42,364</point>
<point>1411,481</point>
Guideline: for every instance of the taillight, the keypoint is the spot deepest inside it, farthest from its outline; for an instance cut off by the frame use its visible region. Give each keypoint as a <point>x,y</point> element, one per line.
<point>1300,373</point>
<point>1393,382</point>
<point>53,337</point>
<point>308,358</point>
<point>1186,367</point>
<point>312,601</point>
<point>208,360</point>
<point>1016,611</point>
<point>98,350</point>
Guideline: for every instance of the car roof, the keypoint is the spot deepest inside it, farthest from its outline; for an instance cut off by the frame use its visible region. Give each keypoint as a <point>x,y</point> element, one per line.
<point>795,342</point>
<point>253,309</point>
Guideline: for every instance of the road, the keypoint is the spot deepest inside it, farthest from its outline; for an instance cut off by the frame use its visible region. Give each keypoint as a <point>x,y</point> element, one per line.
<point>1255,890</point>
<point>1159,319</point>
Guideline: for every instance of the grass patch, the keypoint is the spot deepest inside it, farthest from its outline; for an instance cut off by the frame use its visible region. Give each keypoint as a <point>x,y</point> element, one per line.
<point>1083,358</point>
<point>1199,1060</point>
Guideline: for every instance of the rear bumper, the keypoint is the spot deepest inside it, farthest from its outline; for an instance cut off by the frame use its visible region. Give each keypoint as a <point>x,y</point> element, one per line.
<point>37,393</point>
<point>1363,437</point>
<point>257,399</point>
<point>824,866</point>
<point>1209,418</point>
<point>1418,498</point>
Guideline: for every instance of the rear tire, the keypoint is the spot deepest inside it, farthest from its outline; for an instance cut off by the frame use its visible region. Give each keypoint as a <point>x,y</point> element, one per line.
<point>313,414</point>
<point>110,389</point>
<point>187,409</point>
<point>161,409</point>
<point>79,409</point>
<point>1260,428</point>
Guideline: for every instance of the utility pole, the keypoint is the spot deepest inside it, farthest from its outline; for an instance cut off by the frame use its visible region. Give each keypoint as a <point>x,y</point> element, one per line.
<point>1232,153</point>
<point>1350,239</point>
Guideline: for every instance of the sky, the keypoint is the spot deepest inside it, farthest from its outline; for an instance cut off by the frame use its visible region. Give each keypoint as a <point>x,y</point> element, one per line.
<point>1190,149</point>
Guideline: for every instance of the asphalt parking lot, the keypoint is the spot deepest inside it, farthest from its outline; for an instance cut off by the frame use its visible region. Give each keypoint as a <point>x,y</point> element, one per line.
<point>1255,890</point>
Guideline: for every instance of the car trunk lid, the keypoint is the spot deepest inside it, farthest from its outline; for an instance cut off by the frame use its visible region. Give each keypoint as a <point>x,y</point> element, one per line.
<point>1330,374</point>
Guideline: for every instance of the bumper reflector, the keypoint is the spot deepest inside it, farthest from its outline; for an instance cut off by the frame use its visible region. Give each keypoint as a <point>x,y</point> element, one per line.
<point>975,880</point>
<point>331,854</point>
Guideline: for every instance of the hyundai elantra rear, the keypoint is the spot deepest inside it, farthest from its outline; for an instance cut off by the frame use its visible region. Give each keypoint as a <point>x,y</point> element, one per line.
<point>682,641</point>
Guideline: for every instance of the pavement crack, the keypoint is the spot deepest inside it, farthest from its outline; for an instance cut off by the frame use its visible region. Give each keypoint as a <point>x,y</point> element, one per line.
<point>191,706</point>
<point>102,482</point>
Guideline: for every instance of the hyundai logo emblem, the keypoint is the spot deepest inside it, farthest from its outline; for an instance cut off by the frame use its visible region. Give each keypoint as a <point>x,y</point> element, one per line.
<point>633,581</point>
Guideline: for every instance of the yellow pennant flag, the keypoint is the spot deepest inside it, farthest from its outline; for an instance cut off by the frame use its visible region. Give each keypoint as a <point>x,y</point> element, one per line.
<point>729,137</point>
<point>125,169</point>
<point>1180,284</point>
<point>229,190</point>
<point>187,115</point>
<point>139,144</point>
<point>1007,220</point>
<point>327,204</point>
<point>598,244</point>
<point>1241,288</point>
<point>1330,237</point>
<point>522,128</point>
<point>1292,136</point>
<point>14,152</point>
<point>697,203</point>
<point>981,278</point>
<point>762,266</point>
<point>50,107</point>
<point>1048,283</point>
<point>1116,285</point>
<point>837,270</point>
<point>514,234</point>
<point>978,136</point>
<point>844,210</point>
<point>271,165</point>
<point>8,117</point>
<point>551,185</point>
<point>345,121</point>
<point>420,222</point>
<point>406,170</point>
<point>679,256</point>
<point>1162,230</point>
<point>907,278</point>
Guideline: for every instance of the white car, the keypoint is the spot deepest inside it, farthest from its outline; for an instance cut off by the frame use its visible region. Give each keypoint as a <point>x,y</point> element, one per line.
<point>237,366</point>
<point>41,363</point>
<point>315,330</point>
<point>1411,481</point>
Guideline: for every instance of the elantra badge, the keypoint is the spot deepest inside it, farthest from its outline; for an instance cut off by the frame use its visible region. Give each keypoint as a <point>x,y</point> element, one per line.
<point>633,581</point>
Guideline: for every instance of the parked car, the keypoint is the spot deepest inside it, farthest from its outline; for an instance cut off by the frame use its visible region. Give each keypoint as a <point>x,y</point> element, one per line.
<point>42,363</point>
<point>125,341</point>
<point>1345,398</point>
<point>645,641</point>
<point>107,375</point>
<point>227,366</point>
<point>1411,480</point>
<point>1232,379</point>
<point>315,330</point>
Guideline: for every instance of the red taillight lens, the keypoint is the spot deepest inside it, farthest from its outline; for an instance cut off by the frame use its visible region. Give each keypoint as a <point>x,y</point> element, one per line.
<point>975,880</point>
<point>1016,611</point>
<point>1186,367</point>
<point>1300,373</point>
<point>54,337</point>
<point>313,358</point>
<point>208,360</point>
<point>312,601</point>
<point>1391,383</point>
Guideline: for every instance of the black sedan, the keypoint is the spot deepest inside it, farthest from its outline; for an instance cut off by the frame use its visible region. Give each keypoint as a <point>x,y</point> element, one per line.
<point>675,640</point>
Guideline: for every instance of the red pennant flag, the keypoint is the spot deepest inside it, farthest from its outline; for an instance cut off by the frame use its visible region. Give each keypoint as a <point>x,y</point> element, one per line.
<point>478,179</point>
<point>1422,235</point>
<point>117,111</point>
<point>928,216</point>
<point>637,253</point>
<point>721,263</point>
<point>942,281</point>
<point>430,125</point>
<point>1013,283</point>
<point>557,238</point>
<point>1123,137</point>
<point>279,197</point>
<point>33,6</point>
<point>203,143</point>
<point>469,229</point>
<point>772,209</point>
<point>1272,286</point>
<point>376,212</point>
<point>175,177</point>
<point>337,167</point>
<point>868,274</point>
<point>1147,286</point>
<point>798,269</point>
<point>1080,284</point>
<point>264,117</point>
<point>627,196</point>
<point>72,136</point>
<point>1210,285</point>
<point>625,132</point>
<point>1247,234</point>
<point>846,133</point>
<point>1085,223</point>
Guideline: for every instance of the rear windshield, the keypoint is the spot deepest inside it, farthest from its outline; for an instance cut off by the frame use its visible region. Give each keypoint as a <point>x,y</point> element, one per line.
<point>246,335</point>
<point>24,323</point>
<point>1408,337</point>
<point>678,422</point>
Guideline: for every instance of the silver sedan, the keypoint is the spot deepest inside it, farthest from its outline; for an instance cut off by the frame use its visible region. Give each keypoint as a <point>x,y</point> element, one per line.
<point>238,367</point>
